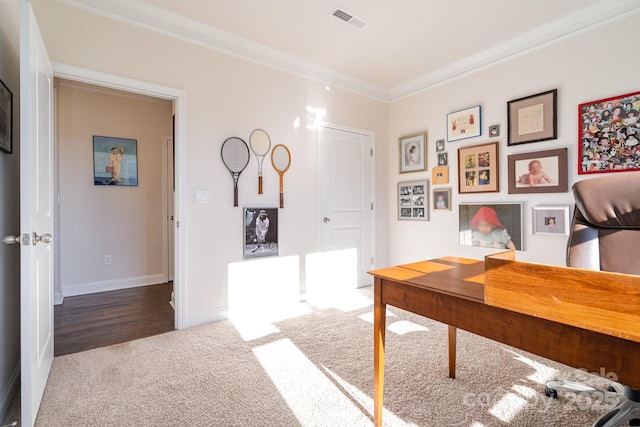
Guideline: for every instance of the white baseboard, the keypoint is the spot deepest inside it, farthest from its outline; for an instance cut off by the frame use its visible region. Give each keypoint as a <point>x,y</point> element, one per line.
<point>112,285</point>
<point>207,316</point>
<point>57,298</point>
<point>9,391</point>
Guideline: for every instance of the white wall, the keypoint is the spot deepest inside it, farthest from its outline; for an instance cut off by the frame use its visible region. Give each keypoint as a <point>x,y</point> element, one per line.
<point>126,222</point>
<point>226,96</point>
<point>10,215</point>
<point>584,68</point>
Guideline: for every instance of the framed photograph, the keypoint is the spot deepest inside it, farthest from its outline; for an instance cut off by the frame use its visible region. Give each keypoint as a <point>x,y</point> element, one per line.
<point>553,220</point>
<point>439,145</point>
<point>609,135</point>
<point>495,225</point>
<point>260,232</point>
<point>478,169</point>
<point>443,159</point>
<point>533,118</point>
<point>442,199</point>
<point>411,152</point>
<point>494,130</point>
<point>440,175</point>
<point>6,119</point>
<point>115,161</point>
<point>413,200</point>
<point>464,124</point>
<point>538,172</point>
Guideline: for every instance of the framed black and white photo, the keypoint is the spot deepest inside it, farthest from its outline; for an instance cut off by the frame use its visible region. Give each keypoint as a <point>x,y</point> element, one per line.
<point>412,155</point>
<point>443,159</point>
<point>6,119</point>
<point>491,225</point>
<point>413,200</point>
<point>260,232</point>
<point>115,161</point>
<point>439,145</point>
<point>552,220</point>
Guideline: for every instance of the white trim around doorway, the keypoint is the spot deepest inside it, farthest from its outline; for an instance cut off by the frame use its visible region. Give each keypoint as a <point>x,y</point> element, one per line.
<point>179,97</point>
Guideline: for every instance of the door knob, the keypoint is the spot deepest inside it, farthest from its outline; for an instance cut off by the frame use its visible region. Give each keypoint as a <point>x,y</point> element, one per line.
<point>11,240</point>
<point>44,238</point>
<point>326,220</point>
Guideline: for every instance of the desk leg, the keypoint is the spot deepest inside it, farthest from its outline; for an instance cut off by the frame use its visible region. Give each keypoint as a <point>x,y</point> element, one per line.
<point>452,351</point>
<point>379,326</point>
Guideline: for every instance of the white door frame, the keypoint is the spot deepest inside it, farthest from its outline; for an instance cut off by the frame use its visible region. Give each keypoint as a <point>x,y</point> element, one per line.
<point>178,96</point>
<point>372,135</point>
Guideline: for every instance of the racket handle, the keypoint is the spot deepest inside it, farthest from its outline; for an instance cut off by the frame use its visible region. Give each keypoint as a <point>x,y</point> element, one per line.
<point>235,196</point>
<point>259,184</point>
<point>281,199</point>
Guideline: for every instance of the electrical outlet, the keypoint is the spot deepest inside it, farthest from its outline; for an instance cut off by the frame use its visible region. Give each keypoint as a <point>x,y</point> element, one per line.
<point>107,260</point>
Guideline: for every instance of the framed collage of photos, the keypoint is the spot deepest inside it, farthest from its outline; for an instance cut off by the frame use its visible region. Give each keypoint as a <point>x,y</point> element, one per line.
<point>413,200</point>
<point>478,169</point>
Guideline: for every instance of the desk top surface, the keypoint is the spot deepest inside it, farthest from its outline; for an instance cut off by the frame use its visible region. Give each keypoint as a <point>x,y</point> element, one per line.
<point>461,277</point>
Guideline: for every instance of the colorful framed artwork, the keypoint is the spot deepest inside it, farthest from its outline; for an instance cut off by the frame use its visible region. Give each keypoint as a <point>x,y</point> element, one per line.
<point>412,155</point>
<point>609,135</point>
<point>552,220</point>
<point>464,124</point>
<point>533,118</point>
<point>478,169</point>
<point>6,119</point>
<point>491,225</point>
<point>115,161</point>
<point>413,200</point>
<point>440,175</point>
<point>260,232</point>
<point>442,199</point>
<point>538,172</point>
<point>439,145</point>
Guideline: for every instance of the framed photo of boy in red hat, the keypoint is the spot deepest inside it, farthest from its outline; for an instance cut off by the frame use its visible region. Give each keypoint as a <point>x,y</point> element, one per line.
<point>497,225</point>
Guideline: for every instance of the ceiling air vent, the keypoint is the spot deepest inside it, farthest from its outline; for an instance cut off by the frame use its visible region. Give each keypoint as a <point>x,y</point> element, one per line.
<point>349,18</point>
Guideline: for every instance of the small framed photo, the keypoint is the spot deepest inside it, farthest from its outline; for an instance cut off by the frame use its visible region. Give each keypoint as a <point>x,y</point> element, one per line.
<point>411,152</point>
<point>440,175</point>
<point>495,225</point>
<point>609,135</point>
<point>553,220</point>
<point>439,145</point>
<point>533,118</point>
<point>443,159</point>
<point>260,232</point>
<point>413,200</point>
<point>6,119</point>
<point>442,199</point>
<point>464,124</point>
<point>494,130</point>
<point>538,172</point>
<point>115,161</point>
<point>478,169</point>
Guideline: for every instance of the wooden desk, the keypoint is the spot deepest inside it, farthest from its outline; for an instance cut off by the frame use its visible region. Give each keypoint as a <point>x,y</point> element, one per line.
<point>451,290</point>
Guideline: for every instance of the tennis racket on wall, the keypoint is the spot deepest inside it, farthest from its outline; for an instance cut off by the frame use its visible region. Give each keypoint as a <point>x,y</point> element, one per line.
<point>281,161</point>
<point>260,144</point>
<point>235,156</point>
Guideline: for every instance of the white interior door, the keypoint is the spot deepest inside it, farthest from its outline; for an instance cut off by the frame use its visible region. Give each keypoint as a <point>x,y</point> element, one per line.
<point>36,214</point>
<point>346,192</point>
<point>171,195</point>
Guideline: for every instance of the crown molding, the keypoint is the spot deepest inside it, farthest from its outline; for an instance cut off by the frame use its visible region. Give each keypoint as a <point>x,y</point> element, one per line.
<point>152,18</point>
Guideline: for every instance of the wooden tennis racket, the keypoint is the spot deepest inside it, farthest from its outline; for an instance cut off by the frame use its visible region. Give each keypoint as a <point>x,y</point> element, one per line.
<point>235,156</point>
<point>260,144</point>
<point>281,161</point>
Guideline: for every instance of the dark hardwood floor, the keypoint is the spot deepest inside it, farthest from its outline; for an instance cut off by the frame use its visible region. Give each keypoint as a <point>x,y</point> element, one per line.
<point>97,320</point>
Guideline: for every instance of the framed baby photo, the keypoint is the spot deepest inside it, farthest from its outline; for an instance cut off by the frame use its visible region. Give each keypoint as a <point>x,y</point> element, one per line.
<point>552,220</point>
<point>440,175</point>
<point>533,118</point>
<point>609,135</point>
<point>464,124</point>
<point>538,172</point>
<point>442,199</point>
<point>115,161</point>
<point>413,200</point>
<point>412,155</point>
<point>478,169</point>
<point>491,225</point>
<point>439,145</point>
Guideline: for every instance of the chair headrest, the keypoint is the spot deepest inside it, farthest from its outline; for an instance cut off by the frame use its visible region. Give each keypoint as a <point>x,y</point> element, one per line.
<point>612,201</point>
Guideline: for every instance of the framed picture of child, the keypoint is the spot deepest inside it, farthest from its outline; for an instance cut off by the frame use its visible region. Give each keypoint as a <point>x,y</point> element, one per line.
<point>413,200</point>
<point>115,161</point>
<point>478,169</point>
<point>538,172</point>
<point>442,199</point>
<point>412,155</point>
<point>553,220</point>
<point>496,225</point>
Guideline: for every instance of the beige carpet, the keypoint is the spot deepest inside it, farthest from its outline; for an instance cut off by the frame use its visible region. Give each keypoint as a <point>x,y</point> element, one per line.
<point>311,369</point>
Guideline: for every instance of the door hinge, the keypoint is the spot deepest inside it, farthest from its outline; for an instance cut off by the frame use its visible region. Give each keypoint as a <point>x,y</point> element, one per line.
<point>371,260</point>
<point>371,205</point>
<point>372,152</point>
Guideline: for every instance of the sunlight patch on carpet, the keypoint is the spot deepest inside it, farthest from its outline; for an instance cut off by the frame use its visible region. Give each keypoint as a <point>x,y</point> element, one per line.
<point>542,374</point>
<point>508,407</point>
<point>403,327</point>
<point>368,317</point>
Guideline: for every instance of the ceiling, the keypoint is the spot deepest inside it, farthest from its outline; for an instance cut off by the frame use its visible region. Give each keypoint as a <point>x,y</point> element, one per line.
<point>406,46</point>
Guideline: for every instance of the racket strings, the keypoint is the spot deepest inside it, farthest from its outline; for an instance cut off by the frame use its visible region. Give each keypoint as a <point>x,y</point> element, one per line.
<point>235,155</point>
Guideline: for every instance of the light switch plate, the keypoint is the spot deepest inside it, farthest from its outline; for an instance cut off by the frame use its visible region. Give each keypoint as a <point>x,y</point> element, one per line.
<point>201,196</point>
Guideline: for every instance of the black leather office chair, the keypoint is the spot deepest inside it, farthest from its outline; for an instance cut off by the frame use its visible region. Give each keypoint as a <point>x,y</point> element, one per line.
<point>605,235</point>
